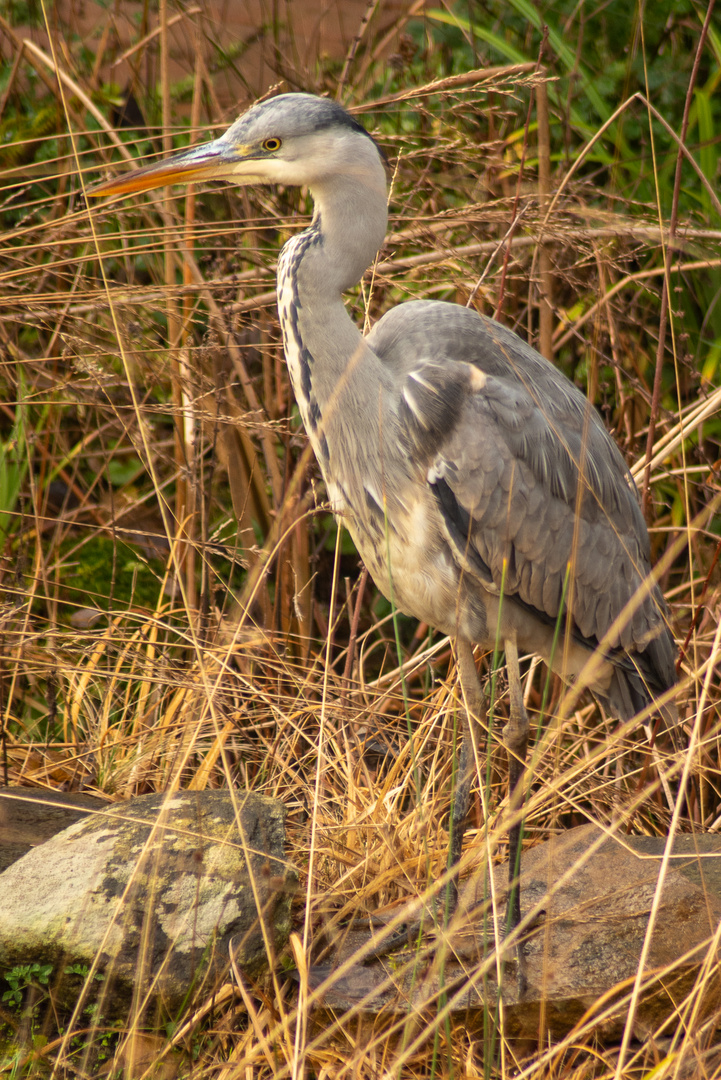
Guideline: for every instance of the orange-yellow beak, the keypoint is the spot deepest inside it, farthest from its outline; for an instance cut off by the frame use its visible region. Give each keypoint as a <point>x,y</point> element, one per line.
<point>217,160</point>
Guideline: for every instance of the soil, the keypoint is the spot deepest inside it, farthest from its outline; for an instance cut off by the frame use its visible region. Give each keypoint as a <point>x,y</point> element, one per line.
<point>241,48</point>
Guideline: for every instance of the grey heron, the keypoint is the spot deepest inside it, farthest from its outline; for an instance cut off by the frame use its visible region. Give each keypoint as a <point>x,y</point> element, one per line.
<point>482,490</point>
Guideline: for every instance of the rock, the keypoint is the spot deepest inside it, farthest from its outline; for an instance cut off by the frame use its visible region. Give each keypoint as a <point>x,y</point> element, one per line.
<point>157,890</point>
<point>30,816</point>
<point>581,958</point>
<point>588,947</point>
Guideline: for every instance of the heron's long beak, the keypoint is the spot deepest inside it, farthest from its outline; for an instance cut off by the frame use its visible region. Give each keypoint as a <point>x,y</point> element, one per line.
<point>217,160</point>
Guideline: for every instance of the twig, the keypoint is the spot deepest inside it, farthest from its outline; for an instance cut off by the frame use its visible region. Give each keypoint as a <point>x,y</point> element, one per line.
<point>656,397</point>
<point>545,302</point>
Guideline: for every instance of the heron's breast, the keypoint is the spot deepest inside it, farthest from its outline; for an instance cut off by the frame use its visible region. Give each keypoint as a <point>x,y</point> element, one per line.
<point>412,564</point>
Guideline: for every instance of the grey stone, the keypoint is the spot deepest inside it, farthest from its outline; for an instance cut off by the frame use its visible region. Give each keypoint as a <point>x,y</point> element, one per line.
<point>595,893</point>
<point>30,816</point>
<point>155,892</point>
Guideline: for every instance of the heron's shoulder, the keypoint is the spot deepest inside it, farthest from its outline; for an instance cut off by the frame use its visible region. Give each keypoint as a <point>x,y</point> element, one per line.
<point>450,333</point>
<point>423,324</point>
<point>520,385</point>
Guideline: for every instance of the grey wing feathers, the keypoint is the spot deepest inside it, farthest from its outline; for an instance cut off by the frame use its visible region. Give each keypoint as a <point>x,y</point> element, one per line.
<point>526,476</point>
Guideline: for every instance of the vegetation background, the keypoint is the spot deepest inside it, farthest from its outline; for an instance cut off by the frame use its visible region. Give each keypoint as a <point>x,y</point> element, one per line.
<point>177,605</point>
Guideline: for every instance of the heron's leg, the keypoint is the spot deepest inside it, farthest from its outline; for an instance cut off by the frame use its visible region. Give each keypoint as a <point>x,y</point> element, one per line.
<point>473,709</point>
<point>515,739</point>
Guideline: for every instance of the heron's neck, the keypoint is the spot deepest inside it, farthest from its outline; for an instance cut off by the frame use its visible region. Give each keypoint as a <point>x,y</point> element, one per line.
<point>321,341</point>
<point>351,218</point>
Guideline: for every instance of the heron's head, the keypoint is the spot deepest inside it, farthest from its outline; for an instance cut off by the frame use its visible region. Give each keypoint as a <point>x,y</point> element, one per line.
<point>296,139</point>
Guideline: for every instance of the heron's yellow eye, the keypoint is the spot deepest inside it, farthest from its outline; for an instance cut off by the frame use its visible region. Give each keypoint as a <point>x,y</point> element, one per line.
<point>271,144</point>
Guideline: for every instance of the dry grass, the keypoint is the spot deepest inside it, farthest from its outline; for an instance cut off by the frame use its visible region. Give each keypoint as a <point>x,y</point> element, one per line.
<point>178,608</point>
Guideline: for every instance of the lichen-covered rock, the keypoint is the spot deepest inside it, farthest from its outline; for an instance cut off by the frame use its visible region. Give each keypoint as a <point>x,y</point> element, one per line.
<point>152,894</point>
